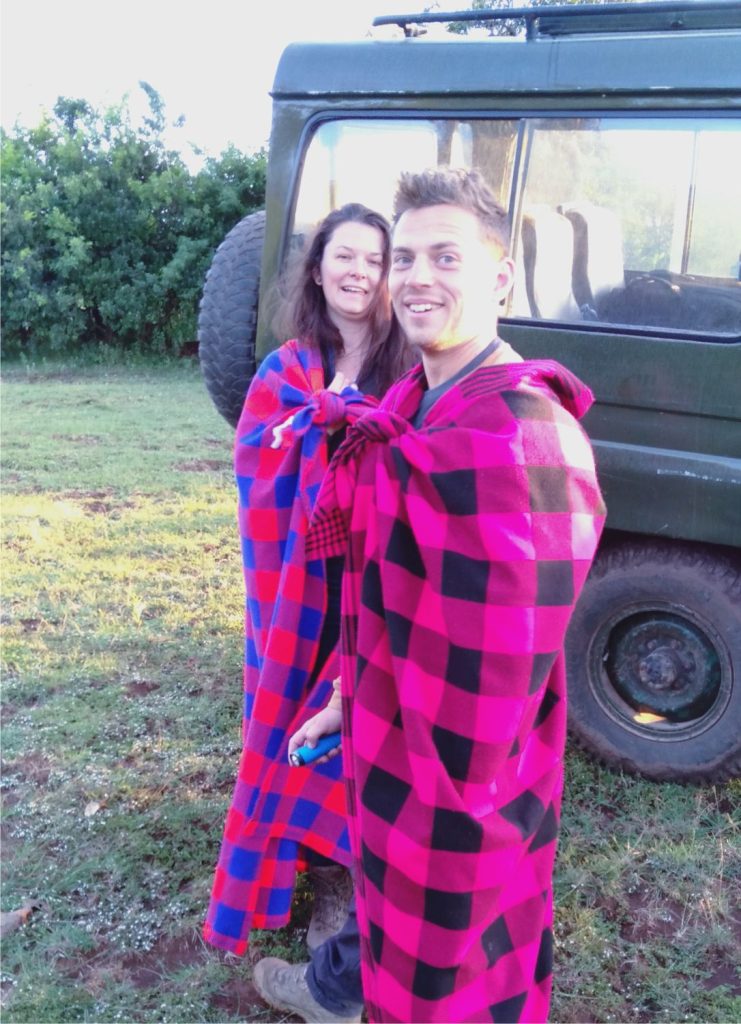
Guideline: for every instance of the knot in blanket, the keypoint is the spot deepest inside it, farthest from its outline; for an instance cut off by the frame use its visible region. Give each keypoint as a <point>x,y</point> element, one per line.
<point>330,522</point>
<point>374,427</point>
<point>325,408</point>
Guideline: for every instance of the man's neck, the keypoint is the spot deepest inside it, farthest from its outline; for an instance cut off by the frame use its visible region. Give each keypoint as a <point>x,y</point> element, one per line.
<point>443,363</point>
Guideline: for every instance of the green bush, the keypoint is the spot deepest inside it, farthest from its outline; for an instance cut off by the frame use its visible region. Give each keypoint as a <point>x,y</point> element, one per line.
<point>106,233</point>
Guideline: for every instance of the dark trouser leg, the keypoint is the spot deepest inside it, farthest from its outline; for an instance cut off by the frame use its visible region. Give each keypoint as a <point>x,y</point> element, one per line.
<point>333,976</point>
<point>317,860</point>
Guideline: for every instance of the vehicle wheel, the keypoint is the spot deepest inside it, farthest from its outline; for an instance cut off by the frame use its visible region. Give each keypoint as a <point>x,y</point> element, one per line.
<point>227,320</point>
<point>653,657</point>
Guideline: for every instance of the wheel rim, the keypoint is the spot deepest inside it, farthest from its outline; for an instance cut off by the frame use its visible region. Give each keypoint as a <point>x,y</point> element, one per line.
<point>660,670</point>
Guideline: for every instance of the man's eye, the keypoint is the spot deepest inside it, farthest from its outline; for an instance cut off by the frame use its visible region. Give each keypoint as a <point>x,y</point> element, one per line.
<point>401,261</point>
<point>447,258</point>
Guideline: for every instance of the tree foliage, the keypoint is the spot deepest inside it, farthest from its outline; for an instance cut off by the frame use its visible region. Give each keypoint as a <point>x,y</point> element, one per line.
<point>508,26</point>
<point>106,233</point>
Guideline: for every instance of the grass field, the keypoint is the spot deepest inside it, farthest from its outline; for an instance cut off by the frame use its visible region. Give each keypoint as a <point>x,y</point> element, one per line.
<point>121,700</point>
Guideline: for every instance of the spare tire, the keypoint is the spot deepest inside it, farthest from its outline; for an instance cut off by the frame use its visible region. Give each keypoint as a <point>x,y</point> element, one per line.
<point>227,319</point>
<point>653,657</point>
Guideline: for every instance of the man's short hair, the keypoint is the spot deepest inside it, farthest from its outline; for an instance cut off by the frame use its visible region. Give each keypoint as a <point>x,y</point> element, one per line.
<point>454,186</point>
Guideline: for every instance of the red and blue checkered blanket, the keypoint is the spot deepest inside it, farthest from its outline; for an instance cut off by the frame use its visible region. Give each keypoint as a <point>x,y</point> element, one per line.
<point>277,809</point>
<point>468,541</point>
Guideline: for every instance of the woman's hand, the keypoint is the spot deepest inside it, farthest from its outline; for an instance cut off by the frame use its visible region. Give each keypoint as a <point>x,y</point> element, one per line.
<point>338,383</point>
<point>327,721</point>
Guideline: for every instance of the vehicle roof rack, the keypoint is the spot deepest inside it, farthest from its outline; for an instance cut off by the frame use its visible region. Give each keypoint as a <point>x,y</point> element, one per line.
<point>572,19</point>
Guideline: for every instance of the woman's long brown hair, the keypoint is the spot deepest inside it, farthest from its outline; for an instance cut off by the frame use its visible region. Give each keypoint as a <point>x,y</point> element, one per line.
<point>306,317</point>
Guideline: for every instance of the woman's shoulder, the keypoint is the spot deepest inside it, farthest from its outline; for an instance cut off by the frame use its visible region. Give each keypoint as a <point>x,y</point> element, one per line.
<point>292,353</point>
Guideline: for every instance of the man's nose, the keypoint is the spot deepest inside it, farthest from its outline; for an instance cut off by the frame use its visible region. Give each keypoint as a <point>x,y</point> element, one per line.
<point>420,272</point>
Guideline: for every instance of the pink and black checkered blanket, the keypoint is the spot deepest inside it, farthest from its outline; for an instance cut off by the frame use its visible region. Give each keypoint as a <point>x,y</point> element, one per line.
<point>277,809</point>
<point>468,542</point>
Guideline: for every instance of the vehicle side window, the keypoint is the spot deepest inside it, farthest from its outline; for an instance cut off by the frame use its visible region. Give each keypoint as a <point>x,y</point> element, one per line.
<point>630,223</point>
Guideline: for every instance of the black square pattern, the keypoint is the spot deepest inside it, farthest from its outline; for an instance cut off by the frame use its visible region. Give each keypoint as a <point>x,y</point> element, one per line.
<point>496,941</point>
<point>525,812</point>
<point>401,466</point>
<point>374,868</point>
<point>548,488</point>
<point>457,489</point>
<point>433,982</point>
<point>403,549</point>
<point>454,749</point>
<point>448,909</point>
<point>547,830</point>
<point>376,941</point>
<point>544,963</point>
<point>542,664</point>
<point>399,630</point>
<point>464,577</point>
<point>371,594</point>
<point>555,583</point>
<point>550,699</point>
<point>384,794</point>
<point>508,1010</point>
<point>452,830</point>
<point>524,405</point>
<point>463,668</point>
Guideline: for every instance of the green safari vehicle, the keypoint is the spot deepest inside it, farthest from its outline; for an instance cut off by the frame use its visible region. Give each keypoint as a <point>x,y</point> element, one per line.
<point>613,136</point>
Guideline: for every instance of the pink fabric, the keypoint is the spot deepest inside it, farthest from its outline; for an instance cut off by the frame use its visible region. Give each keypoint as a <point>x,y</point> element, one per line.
<point>467,543</point>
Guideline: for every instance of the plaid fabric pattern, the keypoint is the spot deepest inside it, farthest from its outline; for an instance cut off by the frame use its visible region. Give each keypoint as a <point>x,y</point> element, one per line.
<point>468,542</point>
<point>277,808</point>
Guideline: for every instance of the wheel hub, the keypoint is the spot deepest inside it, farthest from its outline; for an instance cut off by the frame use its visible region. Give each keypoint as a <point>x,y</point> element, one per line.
<point>663,664</point>
<point>664,667</point>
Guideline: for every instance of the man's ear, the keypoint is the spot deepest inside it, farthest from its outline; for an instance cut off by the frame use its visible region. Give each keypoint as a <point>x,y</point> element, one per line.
<point>505,278</point>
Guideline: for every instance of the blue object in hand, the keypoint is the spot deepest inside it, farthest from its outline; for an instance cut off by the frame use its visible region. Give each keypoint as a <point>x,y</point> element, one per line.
<point>305,755</point>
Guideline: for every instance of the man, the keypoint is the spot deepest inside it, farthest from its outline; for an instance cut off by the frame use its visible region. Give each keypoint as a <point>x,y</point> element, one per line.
<point>469,512</point>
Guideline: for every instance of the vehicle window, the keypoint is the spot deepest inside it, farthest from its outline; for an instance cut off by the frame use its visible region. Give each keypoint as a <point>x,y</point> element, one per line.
<point>360,161</point>
<point>626,222</point>
<point>635,223</point>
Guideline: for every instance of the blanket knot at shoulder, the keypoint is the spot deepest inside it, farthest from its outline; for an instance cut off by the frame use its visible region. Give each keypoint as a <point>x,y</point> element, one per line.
<point>323,408</point>
<point>330,522</point>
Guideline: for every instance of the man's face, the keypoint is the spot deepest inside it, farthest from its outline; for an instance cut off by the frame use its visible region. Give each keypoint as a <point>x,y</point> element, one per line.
<point>446,279</point>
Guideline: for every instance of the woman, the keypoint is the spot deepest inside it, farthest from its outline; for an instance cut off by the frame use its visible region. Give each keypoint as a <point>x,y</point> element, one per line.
<point>344,355</point>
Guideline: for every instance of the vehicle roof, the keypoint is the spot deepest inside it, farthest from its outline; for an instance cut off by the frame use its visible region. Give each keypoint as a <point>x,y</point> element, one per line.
<point>661,62</point>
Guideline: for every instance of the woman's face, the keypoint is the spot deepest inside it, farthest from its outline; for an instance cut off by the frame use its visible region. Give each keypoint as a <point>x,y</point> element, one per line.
<point>350,271</point>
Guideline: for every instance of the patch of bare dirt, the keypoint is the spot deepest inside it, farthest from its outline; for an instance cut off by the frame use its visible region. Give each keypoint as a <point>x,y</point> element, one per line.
<point>101,502</point>
<point>649,918</point>
<point>169,954</point>
<point>83,439</point>
<point>140,688</point>
<point>31,767</point>
<point>724,975</point>
<point>240,998</point>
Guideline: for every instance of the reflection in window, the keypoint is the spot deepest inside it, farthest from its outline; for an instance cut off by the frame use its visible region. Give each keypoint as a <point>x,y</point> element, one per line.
<point>646,214</point>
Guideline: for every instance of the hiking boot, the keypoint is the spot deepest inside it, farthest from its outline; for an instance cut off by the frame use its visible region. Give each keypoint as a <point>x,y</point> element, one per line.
<point>283,986</point>
<point>332,887</point>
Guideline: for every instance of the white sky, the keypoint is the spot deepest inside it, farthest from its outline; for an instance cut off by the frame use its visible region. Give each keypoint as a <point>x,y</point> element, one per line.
<point>212,61</point>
